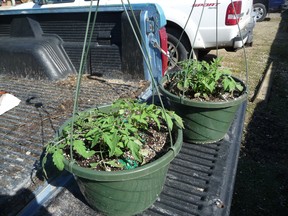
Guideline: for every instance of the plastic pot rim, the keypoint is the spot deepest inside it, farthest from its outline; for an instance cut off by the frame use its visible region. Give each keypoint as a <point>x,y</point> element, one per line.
<point>123,175</point>
<point>203,104</point>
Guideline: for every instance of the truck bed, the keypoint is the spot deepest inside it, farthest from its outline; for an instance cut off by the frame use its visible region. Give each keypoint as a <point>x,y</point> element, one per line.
<point>44,105</point>
<point>199,182</point>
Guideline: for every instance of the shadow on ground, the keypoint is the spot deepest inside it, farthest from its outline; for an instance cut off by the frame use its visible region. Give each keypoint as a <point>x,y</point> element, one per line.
<point>261,187</point>
<point>11,205</point>
<point>24,202</point>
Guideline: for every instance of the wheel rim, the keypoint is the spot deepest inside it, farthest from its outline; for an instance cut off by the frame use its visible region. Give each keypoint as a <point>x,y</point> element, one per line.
<point>173,55</point>
<point>259,12</point>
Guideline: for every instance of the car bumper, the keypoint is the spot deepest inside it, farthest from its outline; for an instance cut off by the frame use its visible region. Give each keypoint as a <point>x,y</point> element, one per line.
<point>245,35</point>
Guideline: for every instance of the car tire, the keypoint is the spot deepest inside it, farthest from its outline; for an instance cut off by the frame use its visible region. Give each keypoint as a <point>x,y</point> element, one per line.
<point>176,49</point>
<point>260,11</point>
<point>202,53</point>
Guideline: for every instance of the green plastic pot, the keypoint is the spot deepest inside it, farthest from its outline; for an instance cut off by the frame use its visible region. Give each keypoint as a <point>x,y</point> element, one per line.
<point>205,122</point>
<point>125,192</point>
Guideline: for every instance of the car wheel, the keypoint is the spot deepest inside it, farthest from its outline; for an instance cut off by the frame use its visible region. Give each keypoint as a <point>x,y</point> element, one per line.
<point>260,11</point>
<point>177,51</point>
<point>202,53</point>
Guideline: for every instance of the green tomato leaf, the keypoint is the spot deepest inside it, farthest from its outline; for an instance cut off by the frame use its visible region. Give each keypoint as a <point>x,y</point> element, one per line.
<point>58,158</point>
<point>232,86</point>
<point>118,152</point>
<point>178,119</point>
<point>239,87</point>
<point>121,111</point>
<point>108,139</point>
<point>186,83</point>
<point>113,163</point>
<point>120,144</point>
<point>209,86</point>
<point>80,148</point>
<point>91,132</point>
<point>90,153</point>
<point>225,83</point>
<point>139,119</point>
<point>94,165</point>
<point>205,96</point>
<point>138,142</point>
<point>168,120</point>
<point>180,86</point>
<point>95,140</point>
<point>226,71</point>
<point>155,118</point>
<point>134,149</point>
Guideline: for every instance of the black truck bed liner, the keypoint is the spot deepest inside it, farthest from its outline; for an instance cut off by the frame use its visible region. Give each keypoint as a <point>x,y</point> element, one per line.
<point>49,46</point>
<point>200,180</point>
<point>25,129</point>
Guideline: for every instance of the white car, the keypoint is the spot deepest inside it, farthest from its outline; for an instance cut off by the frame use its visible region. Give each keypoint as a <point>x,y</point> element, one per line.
<point>207,25</point>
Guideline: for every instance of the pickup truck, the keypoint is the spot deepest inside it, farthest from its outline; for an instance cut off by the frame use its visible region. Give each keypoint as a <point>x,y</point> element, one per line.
<point>26,32</point>
<point>263,7</point>
<point>206,25</point>
<point>40,49</point>
<point>40,52</point>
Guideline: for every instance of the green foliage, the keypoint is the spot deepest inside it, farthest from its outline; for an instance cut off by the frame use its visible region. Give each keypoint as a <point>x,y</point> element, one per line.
<point>109,135</point>
<point>200,79</point>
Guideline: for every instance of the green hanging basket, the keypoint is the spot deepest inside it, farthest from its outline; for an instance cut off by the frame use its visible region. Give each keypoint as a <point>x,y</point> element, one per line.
<point>125,192</point>
<point>205,122</point>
